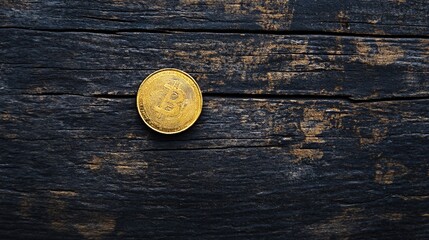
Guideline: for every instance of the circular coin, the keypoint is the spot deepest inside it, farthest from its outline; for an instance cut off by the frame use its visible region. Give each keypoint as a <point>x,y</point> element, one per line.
<point>169,101</point>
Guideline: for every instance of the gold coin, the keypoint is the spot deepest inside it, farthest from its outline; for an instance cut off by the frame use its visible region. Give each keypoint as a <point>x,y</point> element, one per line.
<point>169,101</point>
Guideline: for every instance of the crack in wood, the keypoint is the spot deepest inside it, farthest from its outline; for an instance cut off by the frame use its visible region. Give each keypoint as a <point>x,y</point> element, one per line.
<point>219,31</point>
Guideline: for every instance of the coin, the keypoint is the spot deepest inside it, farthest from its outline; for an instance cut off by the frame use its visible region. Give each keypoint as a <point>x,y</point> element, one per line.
<point>169,101</point>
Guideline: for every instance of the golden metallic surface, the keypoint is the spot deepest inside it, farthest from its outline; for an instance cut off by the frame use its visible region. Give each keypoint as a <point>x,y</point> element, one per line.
<point>169,101</point>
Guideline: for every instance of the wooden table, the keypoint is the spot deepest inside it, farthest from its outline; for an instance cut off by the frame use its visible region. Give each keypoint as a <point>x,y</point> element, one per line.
<point>315,122</point>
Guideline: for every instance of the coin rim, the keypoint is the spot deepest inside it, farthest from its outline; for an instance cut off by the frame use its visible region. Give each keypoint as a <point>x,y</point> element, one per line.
<point>199,93</point>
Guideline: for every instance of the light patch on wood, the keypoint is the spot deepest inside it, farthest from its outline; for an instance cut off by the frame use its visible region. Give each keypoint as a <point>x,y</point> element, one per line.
<point>279,129</point>
<point>213,105</point>
<point>338,88</point>
<point>377,52</point>
<point>336,116</point>
<point>25,206</point>
<point>118,162</point>
<point>119,2</point>
<point>342,15</point>
<point>270,14</point>
<point>270,107</point>
<point>374,21</point>
<point>300,172</point>
<point>379,31</point>
<point>377,135</point>
<point>280,76</point>
<point>338,226</point>
<point>131,136</point>
<point>386,121</point>
<point>11,136</point>
<point>89,225</point>
<point>305,153</point>
<point>344,20</point>
<point>7,117</point>
<point>314,123</point>
<point>57,205</point>
<point>130,167</point>
<point>387,172</point>
<point>96,226</point>
<point>300,56</point>
<point>415,198</point>
<point>16,5</point>
<point>95,163</point>
<point>393,216</point>
<point>336,52</point>
<point>56,209</point>
<point>64,193</point>
<point>200,77</point>
<point>261,56</point>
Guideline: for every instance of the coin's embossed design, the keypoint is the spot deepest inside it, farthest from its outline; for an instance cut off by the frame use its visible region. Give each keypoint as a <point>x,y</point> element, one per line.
<point>169,101</point>
<point>171,105</point>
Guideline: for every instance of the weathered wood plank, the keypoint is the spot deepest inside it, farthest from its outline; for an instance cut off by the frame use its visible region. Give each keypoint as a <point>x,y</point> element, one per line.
<point>83,166</point>
<point>382,17</point>
<point>282,148</point>
<point>88,63</point>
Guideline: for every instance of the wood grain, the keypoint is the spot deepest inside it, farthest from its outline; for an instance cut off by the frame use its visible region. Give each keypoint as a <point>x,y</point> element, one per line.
<point>380,17</point>
<point>315,122</point>
<point>334,168</point>
<point>38,62</point>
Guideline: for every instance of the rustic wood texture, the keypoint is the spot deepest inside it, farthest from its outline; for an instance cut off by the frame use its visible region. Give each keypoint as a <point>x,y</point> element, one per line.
<point>389,17</point>
<point>94,63</point>
<point>315,122</point>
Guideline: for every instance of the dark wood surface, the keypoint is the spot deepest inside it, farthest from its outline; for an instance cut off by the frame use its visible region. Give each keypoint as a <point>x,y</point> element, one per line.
<point>315,121</point>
